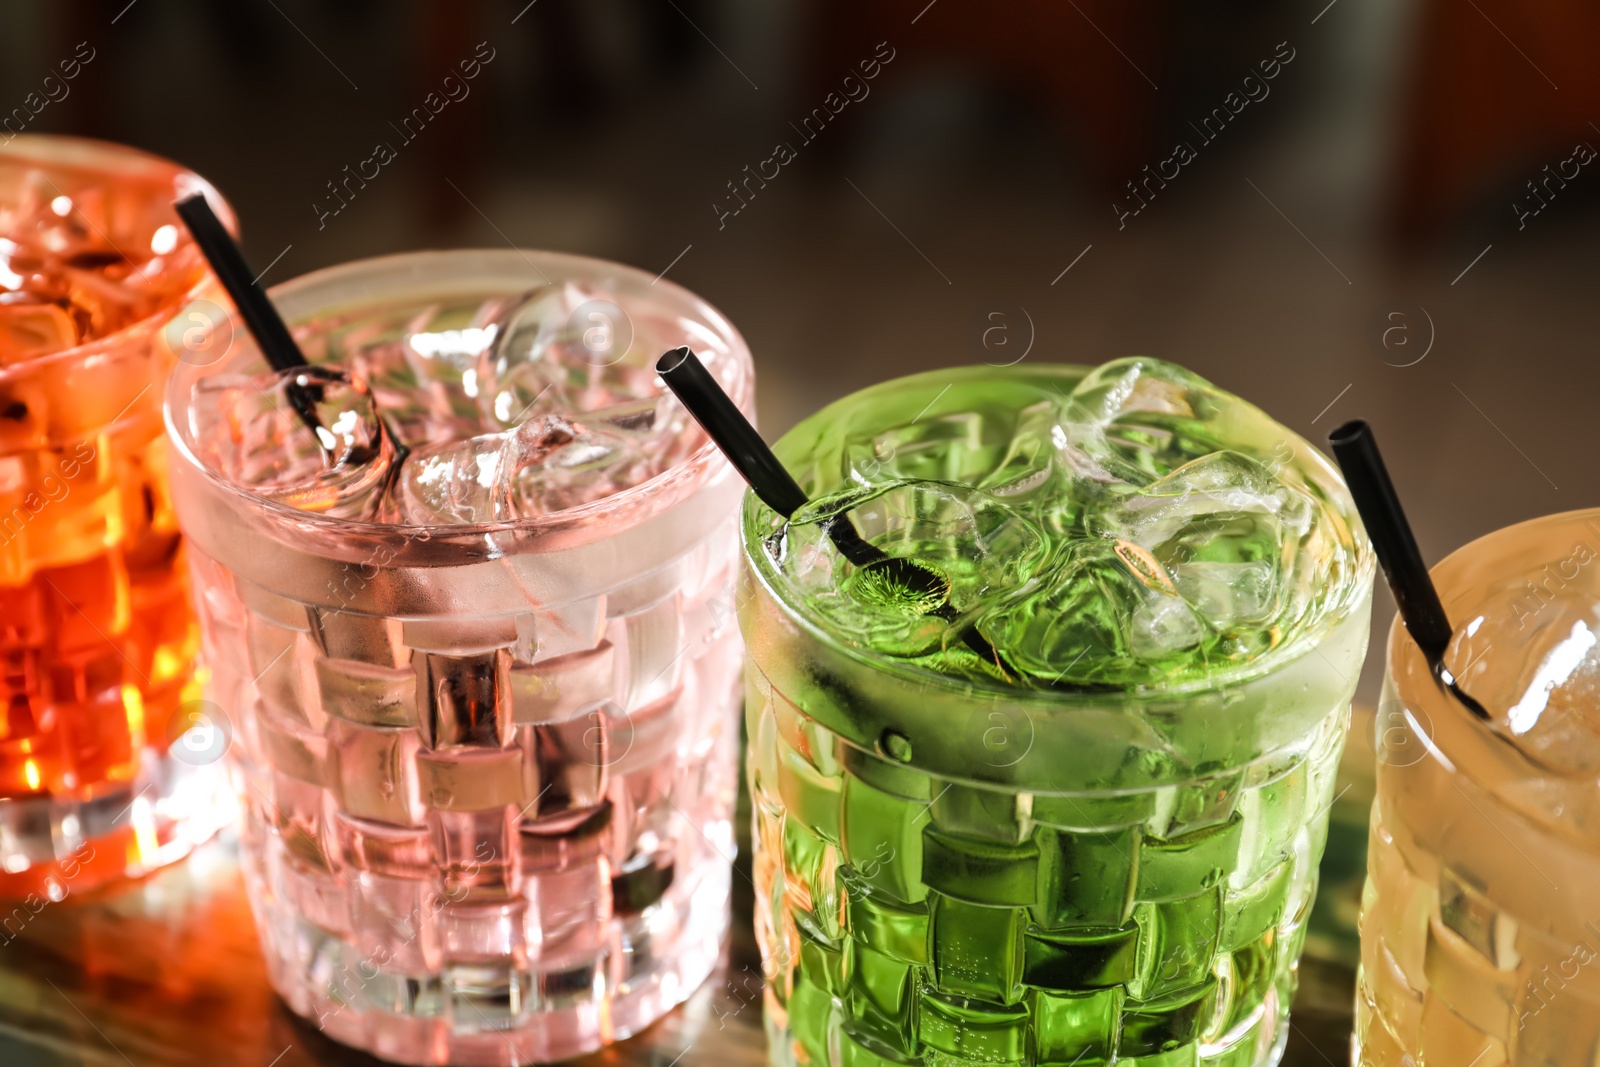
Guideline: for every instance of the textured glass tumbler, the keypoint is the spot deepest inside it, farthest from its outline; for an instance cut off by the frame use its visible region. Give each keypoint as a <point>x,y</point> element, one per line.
<point>1479,929</point>
<point>951,875</point>
<point>487,770</point>
<point>97,638</point>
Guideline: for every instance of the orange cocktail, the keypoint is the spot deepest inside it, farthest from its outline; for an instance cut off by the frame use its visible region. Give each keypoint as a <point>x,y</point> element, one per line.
<point>97,638</point>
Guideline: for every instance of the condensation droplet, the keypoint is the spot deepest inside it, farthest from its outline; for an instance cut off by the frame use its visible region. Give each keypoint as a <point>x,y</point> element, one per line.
<point>895,745</point>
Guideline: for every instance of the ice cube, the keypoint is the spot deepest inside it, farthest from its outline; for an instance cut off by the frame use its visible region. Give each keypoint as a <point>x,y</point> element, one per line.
<point>458,482</point>
<point>969,542</point>
<point>307,437</point>
<point>1231,594</point>
<point>1108,613</point>
<point>1225,528</point>
<point>565,348</point>
<point>29,330</point>
<point>1026,470</point>
<point>1139,418</point>
<point>1534,665</point>
<point>571,350</point>
<point>465,381</point>
<point>566,477</point>
<point>425,371</point>
<point>447,364</point>
<point>472,481</point>
<point>944,447</point>
<point>106,256</point>
<point>560,358</point>
<point>546,464</point>
<point>1147,551</point>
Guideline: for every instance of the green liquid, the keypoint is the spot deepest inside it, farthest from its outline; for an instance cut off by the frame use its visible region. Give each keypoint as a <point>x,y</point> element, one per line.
<point>1142,529</point>
<point>912,918</point>
<point>1085,902</point>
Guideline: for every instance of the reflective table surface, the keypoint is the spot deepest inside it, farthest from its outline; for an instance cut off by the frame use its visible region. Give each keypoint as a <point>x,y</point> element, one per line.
<point>166,972</point>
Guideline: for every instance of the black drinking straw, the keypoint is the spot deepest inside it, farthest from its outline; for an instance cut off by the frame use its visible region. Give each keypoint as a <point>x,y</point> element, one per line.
<point>261,318</point>
<point>227,262</point>
<point>1357,452</point>
<point>727,427</point>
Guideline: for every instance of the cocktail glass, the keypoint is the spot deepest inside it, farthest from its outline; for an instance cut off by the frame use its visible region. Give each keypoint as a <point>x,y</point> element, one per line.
<point>1479,934</point>
<point>97,637</point>
<point>1101,846</point>
<point>482,695</point>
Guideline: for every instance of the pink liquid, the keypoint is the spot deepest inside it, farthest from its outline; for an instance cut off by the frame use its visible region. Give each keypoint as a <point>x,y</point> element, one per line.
<point>487,772</point>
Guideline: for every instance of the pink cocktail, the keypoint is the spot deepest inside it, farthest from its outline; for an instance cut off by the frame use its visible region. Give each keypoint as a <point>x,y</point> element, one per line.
<point>464,588</point>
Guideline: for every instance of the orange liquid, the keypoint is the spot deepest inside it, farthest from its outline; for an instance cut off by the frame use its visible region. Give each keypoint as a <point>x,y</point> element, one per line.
<point>97,637</point>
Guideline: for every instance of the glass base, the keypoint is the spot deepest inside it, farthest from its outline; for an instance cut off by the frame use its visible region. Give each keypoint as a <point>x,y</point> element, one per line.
<point>537,1003</point>
<point>1258,1041</point>
<point>51,847</point>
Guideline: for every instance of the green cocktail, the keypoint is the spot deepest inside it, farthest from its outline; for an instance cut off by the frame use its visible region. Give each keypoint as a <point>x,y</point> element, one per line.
<point>1062,801</point>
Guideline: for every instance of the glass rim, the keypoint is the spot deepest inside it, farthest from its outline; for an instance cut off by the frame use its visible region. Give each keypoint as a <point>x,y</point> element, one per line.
<point>183,181</point>
<point>1471,749</point>
<point>1305,642</point>
<point>1399,639</point>
<point>307,294</point>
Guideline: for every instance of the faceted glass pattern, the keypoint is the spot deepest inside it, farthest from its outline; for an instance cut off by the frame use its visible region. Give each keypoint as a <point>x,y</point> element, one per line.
<point>1479,934</point>
<point>909,918</point>
<point>459,854</point>
<point>487,771</point>
<point>97,638</point>
<point>1092,836</point>
<point>1450,975</point>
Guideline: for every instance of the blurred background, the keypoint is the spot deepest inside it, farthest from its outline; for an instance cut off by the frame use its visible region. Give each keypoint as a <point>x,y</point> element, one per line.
<point>1366,208</point>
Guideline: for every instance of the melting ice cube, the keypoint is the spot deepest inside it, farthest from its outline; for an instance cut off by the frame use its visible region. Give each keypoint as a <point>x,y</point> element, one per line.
<point>308,437</point>
<point>474,481</point>
<point>1140,418</point>
<point>1223,526</point>
<point>567,348</point>
<point>1535,667</point>
<point>1105,613</point>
